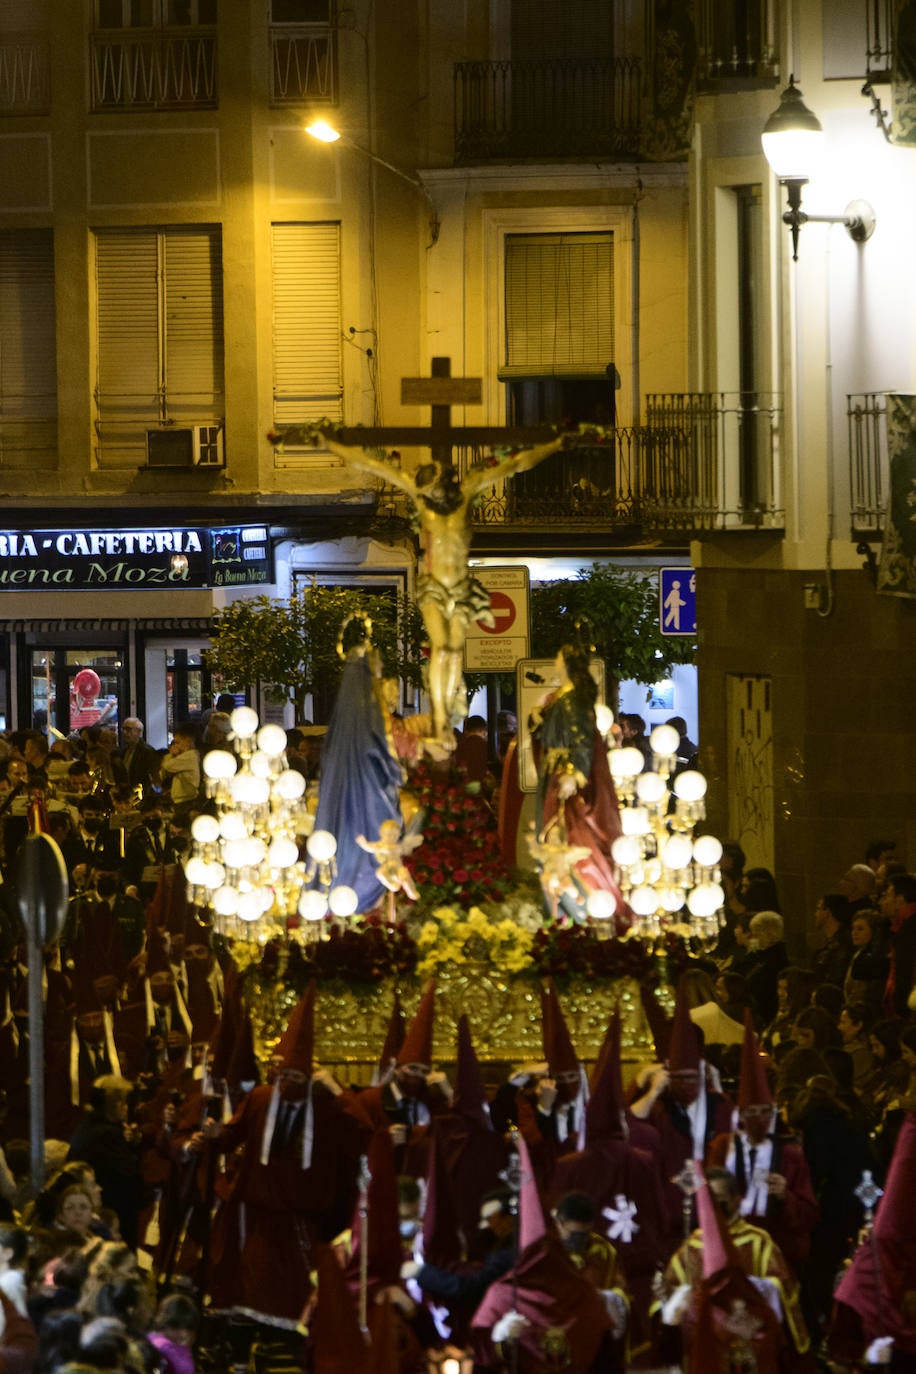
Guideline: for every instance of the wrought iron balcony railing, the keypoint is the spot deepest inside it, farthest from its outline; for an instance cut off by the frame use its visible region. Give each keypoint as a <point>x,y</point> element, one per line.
<point>159,69</point>
<point>303,63</point>
<point>736,42</point>
<point>711,461</point>
<point>554,108</point>
<point>869,464</point>
<point>25,76</point>
<point>701,463</point>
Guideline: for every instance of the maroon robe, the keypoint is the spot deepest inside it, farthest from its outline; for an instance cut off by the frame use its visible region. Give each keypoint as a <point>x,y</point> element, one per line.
<point>283,1210</point>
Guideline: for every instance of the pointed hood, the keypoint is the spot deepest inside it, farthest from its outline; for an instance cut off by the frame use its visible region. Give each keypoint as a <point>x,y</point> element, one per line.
<point>470,1098</point>
<point>531,1225</point>
<point>753,1084</point>
<point>224,1037</point>
<point>394,1038</point>
<point>684,1045</point>
<point>297,1043</point>
<point>384,1261</point>
<point>243,1064</point>
<point>157,953</point>
<point>338,1345</point>
<point>418,1043</point>
<point>658,1023</point>
<point>558,1046</point>
<point>605,1110</point>
<point>718,1248</point>
<point>441,1240</point>
<point>202,1004</point>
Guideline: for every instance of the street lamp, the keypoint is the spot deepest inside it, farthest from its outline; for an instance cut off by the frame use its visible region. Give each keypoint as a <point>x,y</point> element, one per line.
<point>324,132</point>
<point>792,142</point>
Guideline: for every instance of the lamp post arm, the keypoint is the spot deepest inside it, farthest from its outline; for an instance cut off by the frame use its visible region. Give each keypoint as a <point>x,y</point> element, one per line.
<point>413,181</point>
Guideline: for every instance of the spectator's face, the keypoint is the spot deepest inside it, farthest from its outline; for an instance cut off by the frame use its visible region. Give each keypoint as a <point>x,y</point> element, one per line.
<point>804,1037</point>
<point>17,771</point>
<point>76,1213</point>
<point>131,733</point>
<point>848,1028</point>
<point>860,933</point>
<point>877,1048</point>
<point>685,1086</point>
<point>756,1121</point>
<point>782,994</point>
<point>887,902</point>
<point>81,784</point>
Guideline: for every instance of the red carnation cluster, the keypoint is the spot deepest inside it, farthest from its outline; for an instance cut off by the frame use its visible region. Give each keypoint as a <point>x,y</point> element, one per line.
<point>565,951</point>
<point>458,862</point>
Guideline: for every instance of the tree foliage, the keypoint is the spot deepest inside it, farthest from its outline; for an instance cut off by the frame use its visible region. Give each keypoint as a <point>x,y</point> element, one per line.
<point>289,646</point>
<point>618,612</point>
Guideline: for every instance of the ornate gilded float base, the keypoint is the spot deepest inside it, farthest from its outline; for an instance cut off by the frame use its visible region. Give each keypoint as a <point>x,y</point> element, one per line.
<point>505,1017</point>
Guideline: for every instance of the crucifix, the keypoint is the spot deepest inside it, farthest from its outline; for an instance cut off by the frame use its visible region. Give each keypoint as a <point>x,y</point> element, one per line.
<point>449,597</point>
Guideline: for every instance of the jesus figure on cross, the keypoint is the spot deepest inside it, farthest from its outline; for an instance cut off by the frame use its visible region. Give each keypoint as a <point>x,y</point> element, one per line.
<point>450,598</point>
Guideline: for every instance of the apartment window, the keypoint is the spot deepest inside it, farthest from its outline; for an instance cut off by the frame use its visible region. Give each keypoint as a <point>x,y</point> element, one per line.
<point>159,300</point>
<point>154,54</point>
<point>307,365</point>
<point>28,354</point>
<point>559,359</point>
<point>559,345</point>
<point>303,43</point>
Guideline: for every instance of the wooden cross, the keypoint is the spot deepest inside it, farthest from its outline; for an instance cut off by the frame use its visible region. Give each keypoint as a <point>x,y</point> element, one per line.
<point>440,391</point>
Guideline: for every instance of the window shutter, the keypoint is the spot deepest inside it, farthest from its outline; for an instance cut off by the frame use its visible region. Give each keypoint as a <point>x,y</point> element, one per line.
<point>308,376</point>
<point>127,295</point>
<point>28,351</point>
<point>559,305</point>
<point>193,302</point>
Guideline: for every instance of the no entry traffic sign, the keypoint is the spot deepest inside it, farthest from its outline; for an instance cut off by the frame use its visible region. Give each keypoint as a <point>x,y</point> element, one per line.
<point>497,648</point>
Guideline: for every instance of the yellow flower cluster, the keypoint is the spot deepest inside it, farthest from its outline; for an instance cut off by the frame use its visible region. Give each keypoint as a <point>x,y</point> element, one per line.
<point>454,936</point>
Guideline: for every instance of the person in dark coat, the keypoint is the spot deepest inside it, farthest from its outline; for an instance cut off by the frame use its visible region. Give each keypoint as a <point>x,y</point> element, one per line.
<point>105,1140</point>
<point>770,960</point>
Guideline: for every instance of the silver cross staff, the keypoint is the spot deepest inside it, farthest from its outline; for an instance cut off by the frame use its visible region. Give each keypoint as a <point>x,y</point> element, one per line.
<point>868,1194</point>
<point>688,1183</point>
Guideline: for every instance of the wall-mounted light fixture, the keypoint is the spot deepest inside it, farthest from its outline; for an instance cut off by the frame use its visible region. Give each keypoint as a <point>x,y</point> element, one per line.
<point>792,141</point>
<point>326,133</point>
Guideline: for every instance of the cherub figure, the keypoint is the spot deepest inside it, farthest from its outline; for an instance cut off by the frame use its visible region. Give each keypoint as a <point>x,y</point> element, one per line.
<point>556,863</point>
<point>389,851</point>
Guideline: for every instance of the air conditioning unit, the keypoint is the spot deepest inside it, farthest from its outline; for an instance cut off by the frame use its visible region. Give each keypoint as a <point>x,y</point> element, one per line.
<point>185,446</point>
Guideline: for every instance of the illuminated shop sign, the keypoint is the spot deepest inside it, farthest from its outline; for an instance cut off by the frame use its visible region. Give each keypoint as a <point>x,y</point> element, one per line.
<point>128,560</point>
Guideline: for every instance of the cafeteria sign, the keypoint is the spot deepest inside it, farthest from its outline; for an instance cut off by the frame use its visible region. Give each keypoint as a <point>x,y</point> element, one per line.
<point>131,560</point>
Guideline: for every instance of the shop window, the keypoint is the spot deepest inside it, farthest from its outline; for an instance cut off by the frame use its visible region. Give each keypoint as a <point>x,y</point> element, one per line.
<point>73,688</point>
<point>28,352</point>
<point>307,364</point>
<point>159,302</point>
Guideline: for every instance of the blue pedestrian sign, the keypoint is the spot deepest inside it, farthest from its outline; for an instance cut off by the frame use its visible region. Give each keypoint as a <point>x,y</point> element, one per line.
<point>677,601</point>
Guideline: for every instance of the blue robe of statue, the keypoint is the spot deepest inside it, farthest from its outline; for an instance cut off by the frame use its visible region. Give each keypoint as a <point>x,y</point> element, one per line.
<point>360,779</point>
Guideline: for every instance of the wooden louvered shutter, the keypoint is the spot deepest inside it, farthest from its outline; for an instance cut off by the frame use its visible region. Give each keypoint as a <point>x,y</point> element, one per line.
<point>127,296</point>
<point>193,306</point>
<point>307,367</point>
<point>559,305</point>
<point>28,352</point>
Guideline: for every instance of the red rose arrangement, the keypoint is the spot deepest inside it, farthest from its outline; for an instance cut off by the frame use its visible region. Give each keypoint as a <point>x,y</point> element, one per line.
<point>458,862</point>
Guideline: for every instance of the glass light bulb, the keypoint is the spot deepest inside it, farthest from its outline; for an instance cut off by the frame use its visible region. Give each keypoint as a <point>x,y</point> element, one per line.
<point>704,899</point>
<point>232,825</point>
<point>653,871</point>
<point>664,740</point>
<point>225,901</point>
<point>234,853</point>
<point>634,820</point>
<point>215,876</point>
<point>601,905</point>
<point>290,785</point>
<point>626,850</point>
<point>707,850</point>
<point>625,763</point>
<point>219,764</point>
<point>689,786</point>
<point>604,719</point>
<point>249,908</point>
<point>321,846</point>
<point>644,901</point>
<point>247,790</point>
<point>342,900</point>
<point>259,763</point>
<point>272,740</point>
<point>677,851</point>
<point>672,899</point>
<point>244,722</point>
<point>650,788</point>
<point>195,870</point>
<point>283,852</point>
<point>254,851</point>
<point>313,906</point>
<point>205,829</point>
